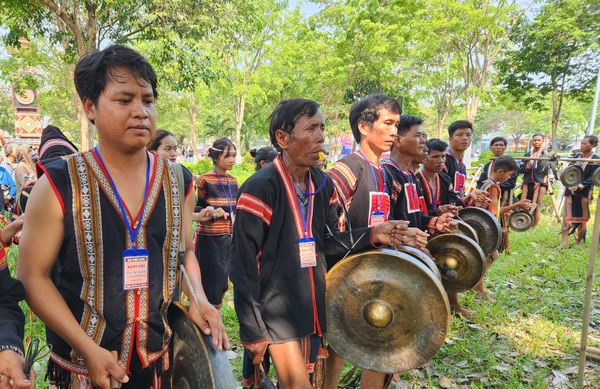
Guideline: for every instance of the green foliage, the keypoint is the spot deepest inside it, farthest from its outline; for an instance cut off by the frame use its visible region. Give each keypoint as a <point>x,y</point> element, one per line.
<point>242,171</point>
<point>553,55</point>
<point>200,167</point>
<point>485,157</point>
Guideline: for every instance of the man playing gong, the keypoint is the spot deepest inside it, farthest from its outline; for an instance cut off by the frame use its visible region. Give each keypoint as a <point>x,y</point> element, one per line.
<point>285,229</point>
<point>365,189</point>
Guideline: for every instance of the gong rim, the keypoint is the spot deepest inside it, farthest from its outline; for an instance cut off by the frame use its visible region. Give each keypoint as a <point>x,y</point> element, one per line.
<point>417,329</point>
<point>465,229</point>
<point>596,178</point>
<point>421,256</point>
<point>195,363</point>
<point>456,246</point>
<point>520,221</point>
<point>571,176</point>
<point>486,226</point>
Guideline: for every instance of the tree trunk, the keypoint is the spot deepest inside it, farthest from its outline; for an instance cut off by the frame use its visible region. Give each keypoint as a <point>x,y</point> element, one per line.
<point>238,108</point>
<point>471,106</point>
<point>193,113</point>
<point>441,119</point>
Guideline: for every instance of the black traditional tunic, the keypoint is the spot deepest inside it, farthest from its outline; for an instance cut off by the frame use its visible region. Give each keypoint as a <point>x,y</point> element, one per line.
<point>577,202</point>
<point>11,316</point>
<point>213,238</point>
<point>442,194</point>
<point>457,171</point>
<point>275,298</point>
<point>363,188</point>
<point>91,278</point>
<point>406,202</point>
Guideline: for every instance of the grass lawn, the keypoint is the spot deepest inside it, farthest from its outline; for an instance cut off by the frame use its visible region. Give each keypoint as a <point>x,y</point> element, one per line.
<point>528,339</point>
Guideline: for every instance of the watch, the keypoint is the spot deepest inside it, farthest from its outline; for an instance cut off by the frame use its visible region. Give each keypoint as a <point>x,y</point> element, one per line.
<point>26,97</point>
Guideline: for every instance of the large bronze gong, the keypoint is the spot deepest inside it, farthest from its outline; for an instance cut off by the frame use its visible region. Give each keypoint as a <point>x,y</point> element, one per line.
<point>520,220</point>
<point>486,226</point>
<point>421,256</point>
<point>195,362</point>
<point>460,254</point>
<point>465,229</point>
<point>571,176</point>
<point>386,311</point>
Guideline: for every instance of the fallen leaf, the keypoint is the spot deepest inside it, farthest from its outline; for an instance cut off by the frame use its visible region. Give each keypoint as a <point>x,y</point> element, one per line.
<point>445,382</point>
<point>462,363</point>
<point>500,368</point>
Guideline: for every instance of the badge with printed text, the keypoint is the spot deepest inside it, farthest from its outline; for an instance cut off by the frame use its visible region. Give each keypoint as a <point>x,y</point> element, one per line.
<point>412,198</point>
<point>135,269</point>
<point>459,181</point>
<point>308,254</point>
<point>377,218</point>
<point>379,208</point>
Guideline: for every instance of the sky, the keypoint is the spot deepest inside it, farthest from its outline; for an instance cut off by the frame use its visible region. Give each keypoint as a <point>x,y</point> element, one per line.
<point>307,7</point>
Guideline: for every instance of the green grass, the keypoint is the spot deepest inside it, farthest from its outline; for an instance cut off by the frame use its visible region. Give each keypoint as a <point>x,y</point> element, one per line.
<point>528,339</point>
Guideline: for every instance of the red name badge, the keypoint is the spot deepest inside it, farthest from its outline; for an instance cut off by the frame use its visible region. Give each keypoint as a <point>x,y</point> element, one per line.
<point>308,253</point>
<point>412,198</point>
<point>135,269</point>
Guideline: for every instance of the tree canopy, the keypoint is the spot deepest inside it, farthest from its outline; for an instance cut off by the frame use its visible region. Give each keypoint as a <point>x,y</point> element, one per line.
<point>223,65</point>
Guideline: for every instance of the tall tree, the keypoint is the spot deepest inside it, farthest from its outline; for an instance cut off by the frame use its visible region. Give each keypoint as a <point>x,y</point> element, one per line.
<point>83,27</point>
<point>475,32</point>
<point>553,55</point>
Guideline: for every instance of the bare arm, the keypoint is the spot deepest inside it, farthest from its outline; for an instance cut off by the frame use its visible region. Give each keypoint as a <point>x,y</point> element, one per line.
<point>46,224</point>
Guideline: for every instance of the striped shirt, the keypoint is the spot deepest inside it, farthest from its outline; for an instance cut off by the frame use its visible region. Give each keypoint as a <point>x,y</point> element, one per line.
<point>218,191</point>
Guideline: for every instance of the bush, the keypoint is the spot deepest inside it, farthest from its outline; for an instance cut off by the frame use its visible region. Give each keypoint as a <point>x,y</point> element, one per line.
<point>241,171</point>
<point>484,157</point>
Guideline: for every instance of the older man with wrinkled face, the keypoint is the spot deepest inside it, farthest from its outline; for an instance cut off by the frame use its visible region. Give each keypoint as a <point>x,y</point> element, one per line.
<point>280,251</point>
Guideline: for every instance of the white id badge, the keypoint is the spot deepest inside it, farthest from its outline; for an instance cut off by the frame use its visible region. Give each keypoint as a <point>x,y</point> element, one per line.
<point>308,254</point>
<point>377,218</point>
<point>135,269</point>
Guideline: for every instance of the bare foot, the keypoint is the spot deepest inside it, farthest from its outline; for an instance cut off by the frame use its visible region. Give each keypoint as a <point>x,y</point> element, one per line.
<point>462,311</point>
<point>484,298</point>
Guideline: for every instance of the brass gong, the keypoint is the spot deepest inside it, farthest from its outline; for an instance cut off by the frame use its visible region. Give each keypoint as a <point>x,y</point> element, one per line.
<point>520,220</point>
<point>460,254</point>
<point>596,177</point>
<point>195,362</point>
<point>421,256</point>
<point>386,311</point>
<point>486,226</point>
<point>465,229</point>
<point>571,176</point>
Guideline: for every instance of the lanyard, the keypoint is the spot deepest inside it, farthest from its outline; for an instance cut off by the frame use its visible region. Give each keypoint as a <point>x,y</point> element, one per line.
<point>408,177</point>
<point>230,197</point>
<point>132,233</point>
<point>307,193</point>
<point>377,184</point>
<point>429,190</point>
<point>309,197</point>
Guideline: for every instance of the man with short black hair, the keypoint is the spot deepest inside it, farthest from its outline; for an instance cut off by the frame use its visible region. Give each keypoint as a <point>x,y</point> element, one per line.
<point>498,147</point>
<point>114,216</point>
<point>365,187</point>
<point>285,237</point>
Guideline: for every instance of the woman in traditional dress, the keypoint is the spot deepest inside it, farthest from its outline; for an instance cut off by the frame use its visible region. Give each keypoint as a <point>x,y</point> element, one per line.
<point>535,176</point>
<point>216,189</point>
<point>577,211</point>
<point>163,143</point>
